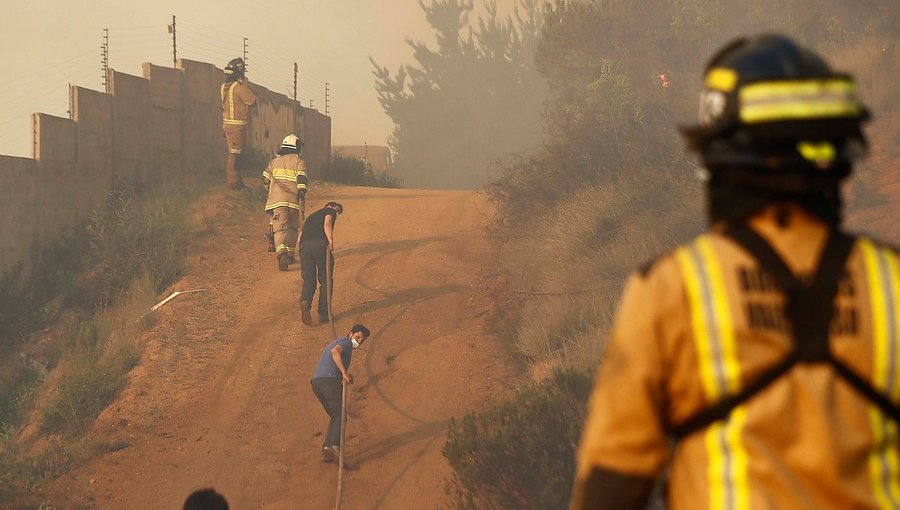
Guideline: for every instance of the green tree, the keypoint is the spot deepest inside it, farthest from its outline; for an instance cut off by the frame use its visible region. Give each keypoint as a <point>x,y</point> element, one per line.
<point>473,98</point>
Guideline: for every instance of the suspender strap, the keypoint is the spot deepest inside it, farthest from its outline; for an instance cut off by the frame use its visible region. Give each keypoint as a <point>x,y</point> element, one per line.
<point>810,308</point>
<point>721,409</point>
<point>865,389</point>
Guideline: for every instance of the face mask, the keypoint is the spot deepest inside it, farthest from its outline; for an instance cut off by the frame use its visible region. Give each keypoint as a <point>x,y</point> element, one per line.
<point>355,342</point>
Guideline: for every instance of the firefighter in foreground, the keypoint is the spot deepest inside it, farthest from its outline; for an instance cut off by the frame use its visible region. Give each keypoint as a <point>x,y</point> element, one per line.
<point>761,361</point>
<point>237,99</point>
<point>285,178</point>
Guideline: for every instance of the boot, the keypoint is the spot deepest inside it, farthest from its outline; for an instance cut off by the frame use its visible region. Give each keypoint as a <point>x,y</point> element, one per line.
<point>305,316</point>
<point>282,261</point>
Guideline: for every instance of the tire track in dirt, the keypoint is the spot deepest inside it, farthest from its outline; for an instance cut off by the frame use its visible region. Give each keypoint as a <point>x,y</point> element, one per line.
<point>238,413</point>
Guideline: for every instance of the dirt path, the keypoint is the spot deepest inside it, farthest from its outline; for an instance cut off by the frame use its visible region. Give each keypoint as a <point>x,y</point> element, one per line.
<point>222,398</point>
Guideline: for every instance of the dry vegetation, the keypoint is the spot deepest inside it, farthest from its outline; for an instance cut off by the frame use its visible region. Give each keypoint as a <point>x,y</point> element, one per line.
<point>612,187</point>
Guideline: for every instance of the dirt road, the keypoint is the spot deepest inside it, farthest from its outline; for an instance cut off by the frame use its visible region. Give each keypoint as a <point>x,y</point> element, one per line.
<point>221,396</point>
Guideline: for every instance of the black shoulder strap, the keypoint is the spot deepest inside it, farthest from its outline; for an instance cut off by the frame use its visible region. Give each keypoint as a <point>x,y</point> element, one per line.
<point>810,307</point>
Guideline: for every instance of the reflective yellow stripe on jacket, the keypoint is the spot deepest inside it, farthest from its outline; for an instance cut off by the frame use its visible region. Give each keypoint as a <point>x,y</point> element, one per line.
<point>228,118</point>
<point>286,174</point>
<point>720,372</point>
<point>883,278</point>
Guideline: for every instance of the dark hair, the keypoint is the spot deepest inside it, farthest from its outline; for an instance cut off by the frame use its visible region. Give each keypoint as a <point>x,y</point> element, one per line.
<point>205,499</point>
<point>359,328</point>
<point>335,205</point>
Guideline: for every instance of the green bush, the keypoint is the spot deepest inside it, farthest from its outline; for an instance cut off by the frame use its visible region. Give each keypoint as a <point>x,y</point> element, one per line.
<point>538,428</point>
<point>354,171</point>
<point>130,235</point>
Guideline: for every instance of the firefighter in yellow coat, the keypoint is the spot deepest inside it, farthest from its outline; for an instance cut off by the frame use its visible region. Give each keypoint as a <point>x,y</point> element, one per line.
<point>287,183</point>
<point>759,364</point>
<point>237,99</point>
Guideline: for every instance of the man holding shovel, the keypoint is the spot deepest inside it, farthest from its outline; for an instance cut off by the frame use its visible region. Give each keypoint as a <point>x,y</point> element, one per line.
<point>332,370</point>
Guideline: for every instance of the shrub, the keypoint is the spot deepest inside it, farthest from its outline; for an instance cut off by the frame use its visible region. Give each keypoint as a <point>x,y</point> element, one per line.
<point>538,428</point>
<point>354,171</point>
<point>131,235</point>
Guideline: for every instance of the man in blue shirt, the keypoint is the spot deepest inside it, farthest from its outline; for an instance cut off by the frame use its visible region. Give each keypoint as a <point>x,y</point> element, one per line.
<point>333,367</point>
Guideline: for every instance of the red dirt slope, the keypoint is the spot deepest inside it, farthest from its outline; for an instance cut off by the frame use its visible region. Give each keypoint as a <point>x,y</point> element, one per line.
<point>222,398</point>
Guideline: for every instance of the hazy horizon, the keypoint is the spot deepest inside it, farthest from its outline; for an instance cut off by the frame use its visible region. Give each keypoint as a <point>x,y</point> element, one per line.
<point>52,43</point>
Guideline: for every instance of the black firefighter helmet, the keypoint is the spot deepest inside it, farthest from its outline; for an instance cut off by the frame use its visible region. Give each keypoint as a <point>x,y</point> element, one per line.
<point>235,69</point>
<point>777,122</point>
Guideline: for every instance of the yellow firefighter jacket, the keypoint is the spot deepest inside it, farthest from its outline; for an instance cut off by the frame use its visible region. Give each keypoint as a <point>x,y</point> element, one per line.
<point>286,176</point>
<point>707,321</point>
<point>236,101</point>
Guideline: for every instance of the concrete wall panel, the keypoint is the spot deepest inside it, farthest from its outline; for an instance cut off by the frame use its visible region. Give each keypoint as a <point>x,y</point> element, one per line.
<point>317,137</point>
<point>92,113</point>
<point>18,198</point>
<point>131,127</point>
<point>166,115</point>
<point>272,121</point>
<point>55,149</point>
<point>203,142</point>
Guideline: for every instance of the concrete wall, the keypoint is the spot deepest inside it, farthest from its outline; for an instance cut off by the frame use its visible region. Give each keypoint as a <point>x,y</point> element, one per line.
<point>166,120</point>
<point>277,116</point>
<point>131,126</point>
<point>55,151</point>
<point>204,145</point>
<point>146,130</point>
<point>316,128</point>
<point>17,205</point>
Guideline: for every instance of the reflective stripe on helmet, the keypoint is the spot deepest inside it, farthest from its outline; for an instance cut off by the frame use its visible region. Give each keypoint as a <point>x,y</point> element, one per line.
<point>798,100</point>
<point>721,78</point>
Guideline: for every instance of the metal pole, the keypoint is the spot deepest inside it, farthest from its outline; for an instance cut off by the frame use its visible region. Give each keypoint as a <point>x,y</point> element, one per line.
<point>245,55</point>
<point>174,46</point>
<point>104,54</point>
<point>295,81</point>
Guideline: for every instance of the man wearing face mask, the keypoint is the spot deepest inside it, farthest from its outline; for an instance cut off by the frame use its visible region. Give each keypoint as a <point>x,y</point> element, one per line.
<point>316,242</point>
<point>333,367</point>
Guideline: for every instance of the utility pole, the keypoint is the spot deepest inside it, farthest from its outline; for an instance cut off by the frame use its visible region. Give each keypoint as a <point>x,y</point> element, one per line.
<point>104,59</point>
<point>311,105</point>
<point>326,98</point>
<point>295,81</point>
<point>174,46</point>
<point>245,56</point>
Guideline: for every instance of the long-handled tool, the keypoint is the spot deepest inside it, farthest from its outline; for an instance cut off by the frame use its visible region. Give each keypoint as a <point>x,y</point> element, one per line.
<point>329,260</point>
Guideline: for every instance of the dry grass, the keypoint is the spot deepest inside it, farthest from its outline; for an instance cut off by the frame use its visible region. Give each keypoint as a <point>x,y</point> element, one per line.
<point>578,255</point>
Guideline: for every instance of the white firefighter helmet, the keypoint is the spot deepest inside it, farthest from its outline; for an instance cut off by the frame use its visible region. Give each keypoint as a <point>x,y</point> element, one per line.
<point>292,142</point>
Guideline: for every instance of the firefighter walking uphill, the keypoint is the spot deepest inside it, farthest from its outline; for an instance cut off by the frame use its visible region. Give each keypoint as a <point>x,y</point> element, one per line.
<point>237,99</point>
<point>287,184</point>
<point>759,364</point>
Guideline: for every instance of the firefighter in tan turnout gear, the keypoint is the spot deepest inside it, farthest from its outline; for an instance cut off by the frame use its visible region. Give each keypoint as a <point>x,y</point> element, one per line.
<point>759,364</point>
<point>286,180</point>
<point>237,99</point>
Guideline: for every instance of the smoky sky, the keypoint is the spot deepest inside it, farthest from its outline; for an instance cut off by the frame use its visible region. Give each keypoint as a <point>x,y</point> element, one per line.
<point>50,43</point>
